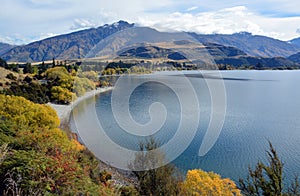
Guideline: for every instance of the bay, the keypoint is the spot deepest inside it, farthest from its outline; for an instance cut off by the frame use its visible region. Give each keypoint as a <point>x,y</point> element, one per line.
<point>261,106</point>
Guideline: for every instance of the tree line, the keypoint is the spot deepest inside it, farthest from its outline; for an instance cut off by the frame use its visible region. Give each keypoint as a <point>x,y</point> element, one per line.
<point>49,83</point>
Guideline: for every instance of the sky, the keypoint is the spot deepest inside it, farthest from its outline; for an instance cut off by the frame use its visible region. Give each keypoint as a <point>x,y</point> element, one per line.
<point>24,21</point>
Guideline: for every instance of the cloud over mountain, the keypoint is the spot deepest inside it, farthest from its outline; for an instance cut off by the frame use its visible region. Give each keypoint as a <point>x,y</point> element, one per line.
<point>276,18</point>
<point>81,24</point>
<point>224,21</point>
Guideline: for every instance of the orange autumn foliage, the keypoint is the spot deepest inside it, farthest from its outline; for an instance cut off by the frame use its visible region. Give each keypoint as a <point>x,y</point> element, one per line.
<point>77,145</point>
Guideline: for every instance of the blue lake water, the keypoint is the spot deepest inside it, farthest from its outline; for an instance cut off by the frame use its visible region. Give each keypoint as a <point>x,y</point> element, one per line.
<point>260,106</point>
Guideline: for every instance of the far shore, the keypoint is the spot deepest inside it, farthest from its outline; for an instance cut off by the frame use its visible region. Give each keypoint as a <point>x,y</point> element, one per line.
<point>64,111</point>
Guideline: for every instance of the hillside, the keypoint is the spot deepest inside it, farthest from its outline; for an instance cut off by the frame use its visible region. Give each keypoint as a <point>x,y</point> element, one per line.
<point>7,77</point>
<point>227,55</point>
<point>295,42</point>
<point>253,45</point>
<point>258,62</point>
<point>70,46</point>
<point>295,58</point>
<point>175,50</point>
<point>4,47</point>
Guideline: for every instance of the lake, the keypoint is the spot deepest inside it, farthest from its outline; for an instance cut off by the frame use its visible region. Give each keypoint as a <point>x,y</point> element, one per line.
<point>260,106</point>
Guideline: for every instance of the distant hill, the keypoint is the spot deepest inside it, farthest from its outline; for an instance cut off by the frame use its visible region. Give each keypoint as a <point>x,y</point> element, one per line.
<point>220,55</point>
<point>253,45</point>
<point>175,50</point>
<point>295,42</point>
<point>295,58</point>
<point>70,46</point>
<point>5,48</point>
<point>260,62</point>
<point>148,51</point>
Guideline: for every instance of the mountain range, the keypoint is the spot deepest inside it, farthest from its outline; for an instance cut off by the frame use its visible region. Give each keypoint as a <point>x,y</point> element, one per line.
<point>126,40</point>
<point>253,45</point>
<point>69,46</point>
<point>4,47</point>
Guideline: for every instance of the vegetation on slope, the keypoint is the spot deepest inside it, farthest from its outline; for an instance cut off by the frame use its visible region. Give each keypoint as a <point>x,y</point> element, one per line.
<point>37,158</point>
<point>42,84</point>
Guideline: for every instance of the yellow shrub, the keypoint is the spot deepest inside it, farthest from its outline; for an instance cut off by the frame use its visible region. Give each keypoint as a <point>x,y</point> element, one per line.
<point>201,183</point>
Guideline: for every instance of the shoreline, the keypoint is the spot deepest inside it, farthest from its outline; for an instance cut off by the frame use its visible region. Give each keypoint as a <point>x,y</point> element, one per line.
<point>64,111</point>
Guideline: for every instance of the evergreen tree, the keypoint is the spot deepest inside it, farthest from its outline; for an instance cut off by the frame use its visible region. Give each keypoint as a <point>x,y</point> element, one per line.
<point>28,69</point>
<point>267,179</point>
<point>3,63</point>
<point>53,62</point>
<point>42,68</point>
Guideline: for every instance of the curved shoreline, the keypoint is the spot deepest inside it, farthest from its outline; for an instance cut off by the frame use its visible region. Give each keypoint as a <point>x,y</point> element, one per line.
<point>122,178</point>
<point>64,111</point>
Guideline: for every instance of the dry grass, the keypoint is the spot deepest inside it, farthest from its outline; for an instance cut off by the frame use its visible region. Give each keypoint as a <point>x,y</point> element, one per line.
<point>5,81</point>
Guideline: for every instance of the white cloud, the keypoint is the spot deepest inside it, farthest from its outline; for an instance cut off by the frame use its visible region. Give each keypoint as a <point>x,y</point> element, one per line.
<point>31,18</point>
<point>15,39</point>
<point>82,24</point>
<point>46,35</point>
<point>19,39</point>
<point>225,21</point>
<point>192,8</point>
<point>298,31</point>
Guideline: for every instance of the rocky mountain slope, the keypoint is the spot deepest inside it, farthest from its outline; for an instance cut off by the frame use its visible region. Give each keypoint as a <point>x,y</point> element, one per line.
<point>4,47</point>
<point>70,46</point>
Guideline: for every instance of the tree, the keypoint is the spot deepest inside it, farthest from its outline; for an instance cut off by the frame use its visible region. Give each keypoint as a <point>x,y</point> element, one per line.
<point>26,114</point>
<point>3,63</point>
<point>62,95</point>
<point>160,181</point>
<point>42,68</point>
<point>91,75</point>
<point>267,179</point>
<point>53,62</point>
<point>57,73</point>
<point>28,69</point>
<point>295,187</point>
<point>81,85</point>
<point>199,182</point>
<point>30,89</point>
